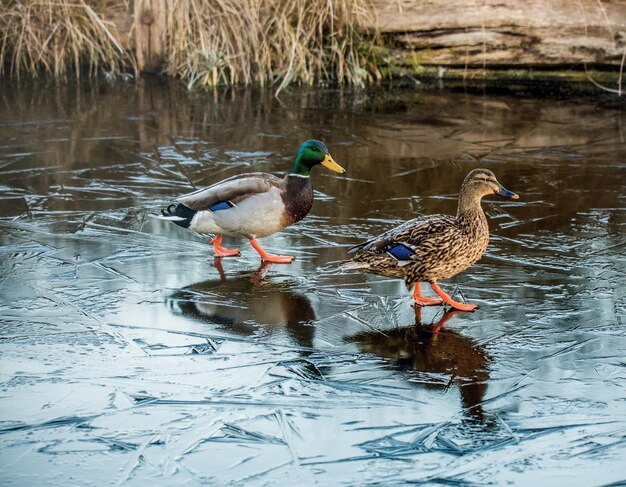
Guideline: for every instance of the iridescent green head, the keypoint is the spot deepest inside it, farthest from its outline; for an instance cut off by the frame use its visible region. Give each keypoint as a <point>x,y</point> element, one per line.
<point>312,153</point>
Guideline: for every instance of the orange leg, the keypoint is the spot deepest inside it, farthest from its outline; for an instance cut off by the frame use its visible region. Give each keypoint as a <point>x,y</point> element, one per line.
<point>422,301</point>
<point>221,251</point>
<point>257,279</point>
<point>447,316</point>
<point>418,314</point>
<point>275,259</point>
<point>217,263</point>
<point>451,302</point>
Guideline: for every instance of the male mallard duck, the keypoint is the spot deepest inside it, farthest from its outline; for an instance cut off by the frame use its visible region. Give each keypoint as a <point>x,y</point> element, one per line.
<point>430,248</point>
<point>254,204</point>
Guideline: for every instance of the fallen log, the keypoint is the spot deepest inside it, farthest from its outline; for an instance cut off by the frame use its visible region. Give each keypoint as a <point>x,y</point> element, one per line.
<point>505,33</point>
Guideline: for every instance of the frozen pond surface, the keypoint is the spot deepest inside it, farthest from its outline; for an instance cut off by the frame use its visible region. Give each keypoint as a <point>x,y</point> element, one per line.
<point>129,357</point>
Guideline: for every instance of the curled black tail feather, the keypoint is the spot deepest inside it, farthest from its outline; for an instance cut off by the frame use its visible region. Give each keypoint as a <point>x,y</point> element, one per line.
<point>167,211</point>
<point>180,211</point>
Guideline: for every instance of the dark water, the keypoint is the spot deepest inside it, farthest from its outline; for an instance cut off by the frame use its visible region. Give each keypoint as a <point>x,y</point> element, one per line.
<point>129,356</point>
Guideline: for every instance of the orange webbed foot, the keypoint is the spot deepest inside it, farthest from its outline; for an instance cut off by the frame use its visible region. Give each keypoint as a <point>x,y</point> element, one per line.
<point>221,251</point>
<point>279,259</point>
<point>462,306</point>
<point>428,301</point>
<point>274,259</point>
<point>421,300</point>
<point>451,302</point>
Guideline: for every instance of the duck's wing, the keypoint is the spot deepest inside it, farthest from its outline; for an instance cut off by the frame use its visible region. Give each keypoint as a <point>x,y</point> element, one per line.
<point>374,243</point>
<point>413,238</point>
<point>230,191</point>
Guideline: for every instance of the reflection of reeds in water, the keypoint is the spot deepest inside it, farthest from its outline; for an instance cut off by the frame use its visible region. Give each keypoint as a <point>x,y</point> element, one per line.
<point>430,351</point>
<point>58,37</point>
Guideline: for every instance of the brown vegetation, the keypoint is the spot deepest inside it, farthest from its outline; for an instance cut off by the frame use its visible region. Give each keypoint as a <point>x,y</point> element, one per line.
<point>259,41</point>
<point>56,38</point>
<point>276,42</point>
<point>207,42</point>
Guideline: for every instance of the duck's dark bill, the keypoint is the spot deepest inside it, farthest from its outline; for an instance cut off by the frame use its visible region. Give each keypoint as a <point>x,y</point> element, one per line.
<point>330,163</point>
<point>507,194</point>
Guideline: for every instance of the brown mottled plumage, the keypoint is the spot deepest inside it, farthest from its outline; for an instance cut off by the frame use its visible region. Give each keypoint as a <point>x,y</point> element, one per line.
<point>430,248</point>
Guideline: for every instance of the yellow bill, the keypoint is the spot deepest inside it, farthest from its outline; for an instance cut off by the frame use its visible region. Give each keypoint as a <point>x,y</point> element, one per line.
<point>330,163</point>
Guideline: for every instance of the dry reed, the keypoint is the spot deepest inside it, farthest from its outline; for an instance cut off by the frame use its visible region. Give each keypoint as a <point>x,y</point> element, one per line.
<point>208,42</point>
<point>57,37</point>
<point>213,42</point>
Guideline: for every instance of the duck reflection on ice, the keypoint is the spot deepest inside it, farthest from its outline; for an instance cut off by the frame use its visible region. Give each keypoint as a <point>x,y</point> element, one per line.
<point>430,349</point>
<point>242,302</point>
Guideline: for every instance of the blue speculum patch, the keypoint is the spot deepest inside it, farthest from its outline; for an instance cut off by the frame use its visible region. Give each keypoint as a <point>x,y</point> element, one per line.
<point>400,251</point>
<point>221,205</point>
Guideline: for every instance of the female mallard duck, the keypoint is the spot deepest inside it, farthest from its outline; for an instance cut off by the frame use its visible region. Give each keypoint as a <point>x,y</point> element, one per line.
<point>254,204</point>
<point>435,247</point>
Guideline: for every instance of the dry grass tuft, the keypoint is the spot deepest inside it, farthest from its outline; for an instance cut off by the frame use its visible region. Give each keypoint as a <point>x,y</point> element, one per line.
<point>213,42</point>
<point>57,37</point>
<point>208,42</point>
